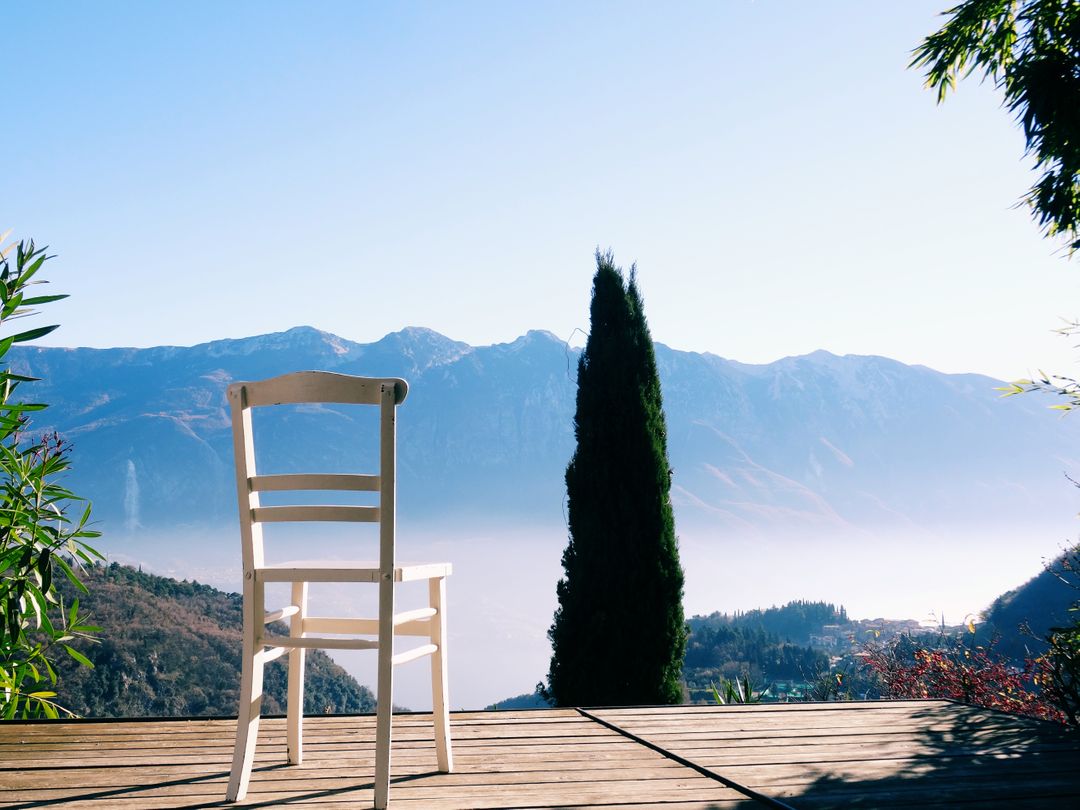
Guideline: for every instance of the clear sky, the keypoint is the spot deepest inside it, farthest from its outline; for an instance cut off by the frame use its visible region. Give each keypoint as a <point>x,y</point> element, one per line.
<point>784,183</point>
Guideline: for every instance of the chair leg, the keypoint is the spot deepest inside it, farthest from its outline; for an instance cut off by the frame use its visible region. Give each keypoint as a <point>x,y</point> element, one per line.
<point>251,692</point>
<point>385,696</point>
<point>440,699</point>
<point>295,709</point>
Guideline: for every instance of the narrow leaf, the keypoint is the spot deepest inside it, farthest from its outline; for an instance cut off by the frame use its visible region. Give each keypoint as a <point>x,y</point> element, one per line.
<point>43,299</point>
<point>78,656</point>
<point>34,334</point>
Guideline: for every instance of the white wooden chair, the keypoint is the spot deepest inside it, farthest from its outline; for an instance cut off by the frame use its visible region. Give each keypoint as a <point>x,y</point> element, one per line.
<point>307,632</point>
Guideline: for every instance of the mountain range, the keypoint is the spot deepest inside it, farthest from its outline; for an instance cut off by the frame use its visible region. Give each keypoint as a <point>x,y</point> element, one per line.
<point>816,441</point>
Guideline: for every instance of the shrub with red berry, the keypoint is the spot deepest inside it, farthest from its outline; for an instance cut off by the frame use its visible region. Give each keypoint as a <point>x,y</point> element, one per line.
<point>910,668</point>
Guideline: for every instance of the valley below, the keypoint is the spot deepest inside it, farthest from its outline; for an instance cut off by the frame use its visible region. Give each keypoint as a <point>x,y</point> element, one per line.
<point>502,592</point>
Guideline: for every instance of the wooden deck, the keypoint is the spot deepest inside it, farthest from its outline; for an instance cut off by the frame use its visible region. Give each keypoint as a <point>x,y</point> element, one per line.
<point>926,754</point>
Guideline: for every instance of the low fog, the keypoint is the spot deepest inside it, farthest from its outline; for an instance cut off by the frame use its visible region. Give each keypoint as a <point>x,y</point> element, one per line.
<point>502,592</point>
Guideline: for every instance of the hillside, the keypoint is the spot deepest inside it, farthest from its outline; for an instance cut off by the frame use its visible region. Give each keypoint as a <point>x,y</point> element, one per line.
<point>172,649</point>
<point>1019,618</point>
<point>796,622</point>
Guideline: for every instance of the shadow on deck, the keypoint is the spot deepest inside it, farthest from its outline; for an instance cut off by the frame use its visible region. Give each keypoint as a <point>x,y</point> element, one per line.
<point>929,754</point>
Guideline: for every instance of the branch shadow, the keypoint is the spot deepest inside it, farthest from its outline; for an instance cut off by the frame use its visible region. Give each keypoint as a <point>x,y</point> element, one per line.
<point>958,755</point>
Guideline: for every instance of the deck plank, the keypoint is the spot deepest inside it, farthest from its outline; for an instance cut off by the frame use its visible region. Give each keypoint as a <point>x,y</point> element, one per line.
<point>870,754</point>
<point>904,754</point>
<point>503,760</point>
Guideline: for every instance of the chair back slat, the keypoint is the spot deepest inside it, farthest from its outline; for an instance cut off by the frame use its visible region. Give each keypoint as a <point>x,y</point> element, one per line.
<point>306,514</point>
<point>321,386</point>
<point>314,481</point>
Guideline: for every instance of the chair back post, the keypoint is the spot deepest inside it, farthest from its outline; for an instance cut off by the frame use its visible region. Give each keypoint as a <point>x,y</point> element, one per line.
<point>251,546</point>
<point>251,537</point>
<point>387,479</point>
<point>387,504</point>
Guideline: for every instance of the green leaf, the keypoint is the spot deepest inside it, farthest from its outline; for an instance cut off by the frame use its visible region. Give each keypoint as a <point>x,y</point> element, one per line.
<point>44,568</point>
<point>34,334</point>
<point>85,516</point>
<point>21,407</point>
<point>90,549</point>
<point>78,656</point>
<point>38,605</point>
<point>35,265</point>
<point>43,299</point>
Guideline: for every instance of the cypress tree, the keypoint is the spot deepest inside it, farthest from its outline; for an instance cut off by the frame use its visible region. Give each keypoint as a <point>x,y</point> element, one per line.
<point>618,636</point>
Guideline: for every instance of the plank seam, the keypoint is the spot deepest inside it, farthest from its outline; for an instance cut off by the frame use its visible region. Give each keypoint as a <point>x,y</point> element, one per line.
<point>768,801</point>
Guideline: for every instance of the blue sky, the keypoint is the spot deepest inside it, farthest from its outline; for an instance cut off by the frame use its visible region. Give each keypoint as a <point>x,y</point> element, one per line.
<point>783,182</point>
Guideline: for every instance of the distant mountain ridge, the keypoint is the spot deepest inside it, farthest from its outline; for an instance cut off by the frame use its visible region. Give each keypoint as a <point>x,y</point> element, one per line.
<point>819,441</point>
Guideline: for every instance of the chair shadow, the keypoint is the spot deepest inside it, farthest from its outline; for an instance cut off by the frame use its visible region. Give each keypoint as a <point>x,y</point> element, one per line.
<point>132,791</point>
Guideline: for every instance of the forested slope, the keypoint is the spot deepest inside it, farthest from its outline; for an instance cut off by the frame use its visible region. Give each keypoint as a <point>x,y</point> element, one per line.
<point>171,648</point>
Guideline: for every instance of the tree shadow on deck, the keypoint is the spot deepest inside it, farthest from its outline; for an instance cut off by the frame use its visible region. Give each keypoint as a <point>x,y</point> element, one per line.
<point>956,755</point>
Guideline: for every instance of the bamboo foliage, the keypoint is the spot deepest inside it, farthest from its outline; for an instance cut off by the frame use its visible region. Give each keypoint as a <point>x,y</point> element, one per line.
<point>40,540</point>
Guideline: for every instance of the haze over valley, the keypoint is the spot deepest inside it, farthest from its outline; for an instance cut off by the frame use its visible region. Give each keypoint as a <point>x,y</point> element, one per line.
<point>895,490</point>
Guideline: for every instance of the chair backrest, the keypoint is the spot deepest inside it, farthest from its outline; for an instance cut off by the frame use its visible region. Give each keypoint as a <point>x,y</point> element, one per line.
<point>315,387</point>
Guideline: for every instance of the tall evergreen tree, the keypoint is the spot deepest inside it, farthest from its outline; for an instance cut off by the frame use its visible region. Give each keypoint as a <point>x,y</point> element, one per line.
<point>619,635</point>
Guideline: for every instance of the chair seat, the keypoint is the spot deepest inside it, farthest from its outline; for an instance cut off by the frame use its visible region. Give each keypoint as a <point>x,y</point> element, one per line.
<point>348,571</point>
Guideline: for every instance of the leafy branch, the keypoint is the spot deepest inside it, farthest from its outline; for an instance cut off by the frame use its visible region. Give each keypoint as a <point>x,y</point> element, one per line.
<point>1030,50</point>
<point>1055,384</point>
<point>37,534</point>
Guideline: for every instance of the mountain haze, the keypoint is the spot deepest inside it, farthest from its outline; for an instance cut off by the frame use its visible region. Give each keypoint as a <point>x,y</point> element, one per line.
<point>815,441</point>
